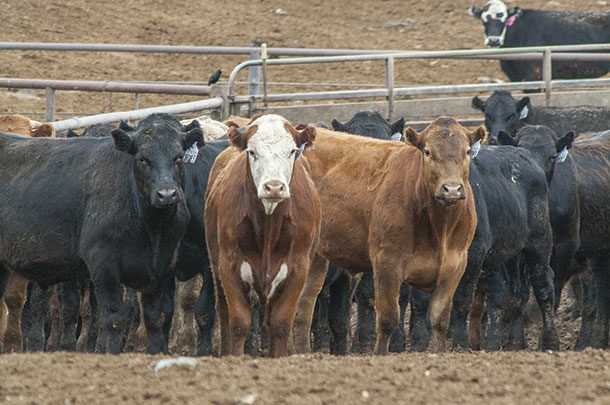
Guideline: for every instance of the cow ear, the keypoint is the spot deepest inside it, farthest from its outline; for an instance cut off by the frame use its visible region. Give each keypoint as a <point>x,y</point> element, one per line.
<point>71,134</point>
<point>305,134</point>
<point>194,136</point>
<point>398,127</point>
<point>123,142</point>
<point>506,139</point>
<point>565,142</point>
<point>231,124</point>
<point>523,107</point>
<point>413,137</point>
<point>478,103</point>
<point>475,11</point>
<point>193,124</point>
<point>514,11</point>
<point>125,126</point>
<point>479,134</point>
<point>239,136</point>
<point>337,126</point>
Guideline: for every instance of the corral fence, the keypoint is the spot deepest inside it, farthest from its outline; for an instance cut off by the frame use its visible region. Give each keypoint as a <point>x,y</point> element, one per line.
<point>224,100</point>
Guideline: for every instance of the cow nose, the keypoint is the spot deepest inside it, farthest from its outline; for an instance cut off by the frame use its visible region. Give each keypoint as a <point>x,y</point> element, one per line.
<point>453,191</point>
<point>274,189</point>
<point>167,196</point>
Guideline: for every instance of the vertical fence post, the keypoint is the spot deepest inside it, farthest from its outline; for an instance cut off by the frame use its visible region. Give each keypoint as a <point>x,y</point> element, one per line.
<point>547,76</point>
<point>49,104</point>
<point>137,101</point>
<point>389,80</point>
<point>254,78</point>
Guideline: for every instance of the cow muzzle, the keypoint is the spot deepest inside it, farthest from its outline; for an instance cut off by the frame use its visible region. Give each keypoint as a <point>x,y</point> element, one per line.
<point>494,41</point>
<point>166,196</point>
<point>274,191</point>
<point>451,194</point>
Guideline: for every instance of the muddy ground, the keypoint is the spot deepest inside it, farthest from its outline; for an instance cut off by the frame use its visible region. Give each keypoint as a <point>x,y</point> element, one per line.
<point>516,377</point>
<point>498,378</point>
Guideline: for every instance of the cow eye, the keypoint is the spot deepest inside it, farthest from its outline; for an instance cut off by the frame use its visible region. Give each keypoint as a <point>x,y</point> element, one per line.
<point>500,15</point>
<point>292,152</point>
<point>251,153</point>
<point>178,159</point>
<point>426,153</point>
<point>488,117</point>
<point>510,117</point>
<point>143,161</point>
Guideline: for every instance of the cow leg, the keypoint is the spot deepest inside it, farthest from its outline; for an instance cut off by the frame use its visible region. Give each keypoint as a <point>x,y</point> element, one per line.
<point>463,297</point>
<point>320,329</point>
<point>398,341</point>
<point>158,309</point>
<point>601,276</point>
<point>38,312</point>
<point>520,293</point>
<point>87,315</point>
<point>14,298</point>
<point>441,301</point>
<point>306,304</point>
<point>69,306</point>
<point>54,335</point>
<point>111,308</point>
<point>364,337</point>
<point>496,281</point>
<point>222,310</point>
<point>4,276</point>
<point>387,288</point>
<point>541,277</point>
<point>419,321</point>
<point>339,313</point>
<point>589,302</point>
<point>475,317</point>
<point>205,315</point>
<point>283,309</point>
<point>239,316</point>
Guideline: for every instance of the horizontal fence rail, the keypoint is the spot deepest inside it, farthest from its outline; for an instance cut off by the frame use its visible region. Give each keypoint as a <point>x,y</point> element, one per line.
<point>80,122</point>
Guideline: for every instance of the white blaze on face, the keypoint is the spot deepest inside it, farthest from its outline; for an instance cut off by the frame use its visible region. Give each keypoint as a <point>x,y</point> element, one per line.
<point>271,153</point>
<point>496,10</point>
<point>281,276</point>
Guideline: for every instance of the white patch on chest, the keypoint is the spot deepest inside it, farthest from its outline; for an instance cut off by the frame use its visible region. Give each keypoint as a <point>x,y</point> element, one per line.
<point>245,272</point>
<point>281,276</point>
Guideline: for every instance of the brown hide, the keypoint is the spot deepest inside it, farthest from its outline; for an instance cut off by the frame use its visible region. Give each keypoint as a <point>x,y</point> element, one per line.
<point>382,214</point>
<point>21,125</point>
<point>238,231</point>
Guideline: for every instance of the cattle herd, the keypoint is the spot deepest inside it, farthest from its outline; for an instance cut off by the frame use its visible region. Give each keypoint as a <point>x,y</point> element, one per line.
<point>274,229</point>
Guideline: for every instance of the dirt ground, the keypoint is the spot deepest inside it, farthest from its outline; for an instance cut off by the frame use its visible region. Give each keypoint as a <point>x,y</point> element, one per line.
<point>366,24</point>
<point>514,377</point>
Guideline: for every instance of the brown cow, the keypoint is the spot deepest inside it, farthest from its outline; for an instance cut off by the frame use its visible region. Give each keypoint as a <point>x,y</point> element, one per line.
<point>262,222</point>
<point>11,339</point>
<point>404,212</point>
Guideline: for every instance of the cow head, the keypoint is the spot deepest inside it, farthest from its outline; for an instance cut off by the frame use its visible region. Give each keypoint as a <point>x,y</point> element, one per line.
<point>543,144</point>
<point>371,124</point>
<point>496,17</point>
<point>502,113</point>
<point>157,146</point>
<point>446,148</point>
<point>272,145</point>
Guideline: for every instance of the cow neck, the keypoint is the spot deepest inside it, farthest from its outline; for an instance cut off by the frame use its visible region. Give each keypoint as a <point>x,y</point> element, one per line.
<point>163,226</point>
<point>267,228</point>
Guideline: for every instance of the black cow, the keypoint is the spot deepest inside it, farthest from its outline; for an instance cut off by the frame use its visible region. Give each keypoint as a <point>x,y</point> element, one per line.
<point>120,221</point>
<point>334,301</point>
<point>371,124</point>
<point>515,27</point>
<point>504,113</point>
<point>510,193</point>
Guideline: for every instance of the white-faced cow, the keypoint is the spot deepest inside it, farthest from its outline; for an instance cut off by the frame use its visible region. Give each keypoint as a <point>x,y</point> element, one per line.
<point>262,223</point>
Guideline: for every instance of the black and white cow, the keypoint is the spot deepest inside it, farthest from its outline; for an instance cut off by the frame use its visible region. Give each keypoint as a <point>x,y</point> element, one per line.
<point>517,27</point>
<point>119,221</point>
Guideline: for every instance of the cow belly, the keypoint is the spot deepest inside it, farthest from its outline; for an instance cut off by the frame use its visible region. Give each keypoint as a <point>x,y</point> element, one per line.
<point>426,271</point>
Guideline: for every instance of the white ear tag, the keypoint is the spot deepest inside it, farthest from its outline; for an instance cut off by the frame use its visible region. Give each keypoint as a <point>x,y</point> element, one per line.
<point>524,112</point>
<point>475,148</point>
<point>191,154</point>
<point>396,136</point>
<point>563,155</point>
<point>300,150</point>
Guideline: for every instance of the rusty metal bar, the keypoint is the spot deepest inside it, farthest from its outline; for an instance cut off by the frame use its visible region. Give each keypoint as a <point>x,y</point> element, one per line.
<point>105,86</point>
